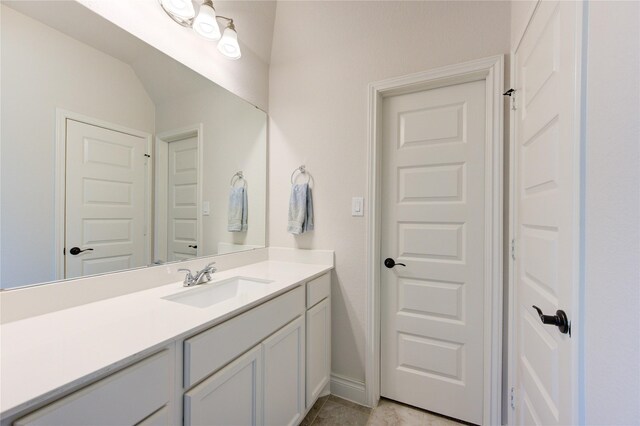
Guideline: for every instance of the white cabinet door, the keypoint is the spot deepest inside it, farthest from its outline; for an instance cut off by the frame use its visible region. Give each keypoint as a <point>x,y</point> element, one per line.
<point>159,418</point>
<point>232,396</point>
<point>318,349</point>
<point>284,393</point>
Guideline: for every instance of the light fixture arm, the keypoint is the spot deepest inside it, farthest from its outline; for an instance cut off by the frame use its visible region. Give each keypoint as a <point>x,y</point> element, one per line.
<point>187,23</point>
<point>229,20</point>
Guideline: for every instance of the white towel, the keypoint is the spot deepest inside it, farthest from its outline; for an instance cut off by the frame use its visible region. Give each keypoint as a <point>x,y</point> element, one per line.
<point>300,209</point>
<point>238,210</point>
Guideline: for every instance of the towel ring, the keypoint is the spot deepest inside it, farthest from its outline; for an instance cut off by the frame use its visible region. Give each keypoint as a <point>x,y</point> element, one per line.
<point>239,176</point>
<point>303,171</point>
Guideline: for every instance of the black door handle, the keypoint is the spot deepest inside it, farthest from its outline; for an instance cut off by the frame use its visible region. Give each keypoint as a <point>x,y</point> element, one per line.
<point>193,246</point>
<point>390,263</point>
<point>76,250</point>
<point>560,320</point>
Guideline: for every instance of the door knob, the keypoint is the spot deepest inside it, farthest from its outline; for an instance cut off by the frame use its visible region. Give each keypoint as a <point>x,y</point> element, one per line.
<point>76,250</point>
<point>390,263</point>
<point>193,246</point>
<point>560,320</point>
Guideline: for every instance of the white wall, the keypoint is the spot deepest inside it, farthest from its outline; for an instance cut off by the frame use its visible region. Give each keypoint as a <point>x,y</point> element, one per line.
<point>247,77</point>
<point>521,11</point>
<point>235,135</point>
<point>43,69</point>
<point>612,217</point>
<point>324,55</point>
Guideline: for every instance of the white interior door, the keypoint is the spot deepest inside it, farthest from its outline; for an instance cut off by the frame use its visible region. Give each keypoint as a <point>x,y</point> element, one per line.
<point>182,200</point>
<point>105,200</point>
<point>433,220</point>
<point>546,153</point>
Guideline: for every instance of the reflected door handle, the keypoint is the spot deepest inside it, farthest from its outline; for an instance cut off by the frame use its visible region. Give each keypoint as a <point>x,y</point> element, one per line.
<point>193,246</point>
<point>560,320</point>
<point>76,250</point>
<point>390,263</point>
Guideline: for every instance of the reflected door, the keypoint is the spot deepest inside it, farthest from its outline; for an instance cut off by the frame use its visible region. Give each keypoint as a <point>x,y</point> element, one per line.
<point>433,209</point>
<point>105,200</point>
<point>182,200</point>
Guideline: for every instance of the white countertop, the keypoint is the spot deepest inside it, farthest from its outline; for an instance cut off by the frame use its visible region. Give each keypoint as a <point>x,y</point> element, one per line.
<point>46,355</point>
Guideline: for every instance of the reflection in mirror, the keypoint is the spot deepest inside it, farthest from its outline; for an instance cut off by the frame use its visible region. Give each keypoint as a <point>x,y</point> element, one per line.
<point>115,156</point>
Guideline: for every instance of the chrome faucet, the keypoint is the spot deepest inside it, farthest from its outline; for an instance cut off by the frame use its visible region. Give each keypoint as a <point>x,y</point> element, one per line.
<point>199,277</point>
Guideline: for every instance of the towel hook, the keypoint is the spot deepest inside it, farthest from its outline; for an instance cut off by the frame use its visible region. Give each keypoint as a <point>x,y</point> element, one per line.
<point>238,176</point>
<point>303,171</point>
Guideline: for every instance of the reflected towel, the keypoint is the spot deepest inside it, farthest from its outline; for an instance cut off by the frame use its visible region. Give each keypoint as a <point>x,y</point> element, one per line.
<point>300,209</point>
<point>238,210</point>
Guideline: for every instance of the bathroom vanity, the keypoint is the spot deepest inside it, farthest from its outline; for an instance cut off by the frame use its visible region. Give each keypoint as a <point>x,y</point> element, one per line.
<point>251,347</point>
<point>132,175</point>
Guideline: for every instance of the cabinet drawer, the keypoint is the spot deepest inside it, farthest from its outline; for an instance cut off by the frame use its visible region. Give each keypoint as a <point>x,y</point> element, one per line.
<point>124,398</point>
<point>208,351</point>
<point>318,289</point>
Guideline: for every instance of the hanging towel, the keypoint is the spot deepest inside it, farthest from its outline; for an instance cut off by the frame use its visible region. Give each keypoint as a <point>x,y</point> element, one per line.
<point>238,210</point>
<point>300,209</point>
<point>308,219</point>
<point>245,210</point>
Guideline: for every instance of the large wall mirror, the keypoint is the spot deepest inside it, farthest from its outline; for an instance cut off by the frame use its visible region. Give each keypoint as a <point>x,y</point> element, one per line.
<point>115,156</point>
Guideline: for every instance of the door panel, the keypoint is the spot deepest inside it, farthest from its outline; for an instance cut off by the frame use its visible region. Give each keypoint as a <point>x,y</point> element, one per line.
<point>546,202</point>
<point>105,200</point>
<point>433,208</point>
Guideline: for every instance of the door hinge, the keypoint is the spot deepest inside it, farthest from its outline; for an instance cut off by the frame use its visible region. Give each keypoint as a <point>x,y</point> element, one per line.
<point>64,251</point>
<point>147,155</point>
<point>513,249</point>
<point>512,94</point>
<point>512,398</point>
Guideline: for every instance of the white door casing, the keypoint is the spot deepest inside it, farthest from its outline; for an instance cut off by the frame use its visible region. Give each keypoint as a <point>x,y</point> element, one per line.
<point>182,202</point>
<point>433,221</point>
<point>105,200</point>
<point>491,71</point>
<point>546,215</point>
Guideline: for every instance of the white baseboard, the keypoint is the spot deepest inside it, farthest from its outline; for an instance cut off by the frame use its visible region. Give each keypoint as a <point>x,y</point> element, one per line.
<point>349,389</point>
<point>327,389</point>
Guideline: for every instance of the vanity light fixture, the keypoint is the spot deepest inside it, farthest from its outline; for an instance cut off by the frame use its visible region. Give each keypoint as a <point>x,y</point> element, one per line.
<point>203,20</point>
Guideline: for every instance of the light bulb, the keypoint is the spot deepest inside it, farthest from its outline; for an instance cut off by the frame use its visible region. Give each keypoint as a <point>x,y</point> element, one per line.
<point>180,8</point>
<point>205,23</point>
<point>228,44</point>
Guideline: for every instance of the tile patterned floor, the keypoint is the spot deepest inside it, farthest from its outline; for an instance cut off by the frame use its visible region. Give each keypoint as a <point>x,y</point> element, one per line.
<point>331,410</point>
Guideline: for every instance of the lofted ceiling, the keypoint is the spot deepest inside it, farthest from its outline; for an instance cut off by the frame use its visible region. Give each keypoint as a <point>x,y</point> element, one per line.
<point>163,77</point>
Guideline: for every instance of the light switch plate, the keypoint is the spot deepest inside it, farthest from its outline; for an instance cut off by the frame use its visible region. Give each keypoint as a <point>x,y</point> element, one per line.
<point>357,206</point>
<point>206,208</point>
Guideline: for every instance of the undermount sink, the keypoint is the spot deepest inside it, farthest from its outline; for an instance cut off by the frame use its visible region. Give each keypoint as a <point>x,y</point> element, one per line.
<point>207,295</point>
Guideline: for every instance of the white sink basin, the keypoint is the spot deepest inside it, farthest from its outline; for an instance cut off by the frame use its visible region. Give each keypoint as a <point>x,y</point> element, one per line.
<point>239,289</point>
